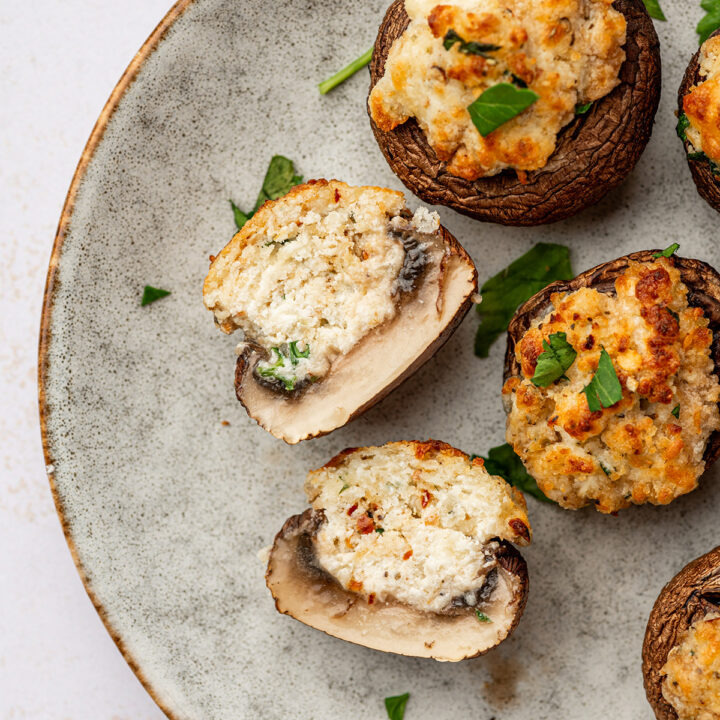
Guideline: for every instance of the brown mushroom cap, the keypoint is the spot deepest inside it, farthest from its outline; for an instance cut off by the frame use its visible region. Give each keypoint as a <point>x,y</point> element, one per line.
<point>688,597</point>
<point>702,281</point>
<point>378,363</point>
<point>708,184</point>
<point>307,593</point>
<point>594,153</point>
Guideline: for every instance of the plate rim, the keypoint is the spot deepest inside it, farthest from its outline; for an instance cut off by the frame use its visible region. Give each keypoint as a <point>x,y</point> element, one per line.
<point>128,77</point>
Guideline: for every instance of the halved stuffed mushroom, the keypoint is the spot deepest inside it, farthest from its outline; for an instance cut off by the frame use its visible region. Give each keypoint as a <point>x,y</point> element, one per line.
<point>611,382</point>
<point>340,293</point>
<point>514,112</point>
<point>699,118</point>
<point>406,549</point>
<point>681,652</point>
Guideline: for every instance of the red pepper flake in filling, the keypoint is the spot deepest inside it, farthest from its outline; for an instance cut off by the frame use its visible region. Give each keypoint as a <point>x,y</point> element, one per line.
<point>352,509</point>
<point>354,585</point>
<point>407,555</point>
<point>371,598</point>
<point>365,524</point>
<point>425,498</point>
<point>337,196</point>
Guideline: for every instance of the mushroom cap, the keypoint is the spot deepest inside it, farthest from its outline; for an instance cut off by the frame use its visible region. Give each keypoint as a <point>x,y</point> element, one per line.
<point>702,281</point>
<point>707,184</point>
<point>308,594</point>
<point>378,363</point>
<point>594,153</point>
<point>688,597</point>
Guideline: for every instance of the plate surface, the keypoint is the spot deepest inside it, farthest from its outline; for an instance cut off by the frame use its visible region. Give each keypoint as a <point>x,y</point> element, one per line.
<point>166,508</point>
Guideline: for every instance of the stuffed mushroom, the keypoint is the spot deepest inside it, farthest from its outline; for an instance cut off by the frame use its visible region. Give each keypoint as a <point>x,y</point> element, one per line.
<point>699,119</point>
<point>406,549</point>
<point>611,382</point>
<point>340,293</point>
<point>514,112</point>
<point>681,652</point>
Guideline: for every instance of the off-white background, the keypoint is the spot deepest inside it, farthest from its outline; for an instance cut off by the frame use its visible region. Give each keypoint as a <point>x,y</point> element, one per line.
<point>59,60</point>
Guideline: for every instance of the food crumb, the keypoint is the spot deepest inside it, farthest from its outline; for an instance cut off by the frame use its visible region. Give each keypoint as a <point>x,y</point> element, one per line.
<point>225,423</point>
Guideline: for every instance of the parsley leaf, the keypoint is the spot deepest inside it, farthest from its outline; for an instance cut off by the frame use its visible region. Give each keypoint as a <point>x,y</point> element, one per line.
<point>343,488</point>
<point>604,389</point>
<point>151,294</point>
<point>676,411</point>
<point>554,360</point>
<point>711,21</point>
<point>582,108</point>
<point>280,178</point>
<point>498,104</point>
<point>654,10</point>
<point>348,71</point>
<point>482,617</point>
<point>469,48</point>
<point>683,124</point>
<point>503,293</point>
<point>503,461</point>
<point>395,706</point>
<point>667,252</point>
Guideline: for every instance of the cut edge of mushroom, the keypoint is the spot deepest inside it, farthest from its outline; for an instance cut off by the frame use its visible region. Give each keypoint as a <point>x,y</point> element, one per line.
<point>307,593</point>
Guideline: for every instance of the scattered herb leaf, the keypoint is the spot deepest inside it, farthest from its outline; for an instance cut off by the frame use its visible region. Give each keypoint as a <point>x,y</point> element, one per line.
<point>676,411</point>
<point>280,178</point>
<point>557,356</point>
<point>667,252</point>
<point>654,10</point>
<point>582,108</point>
<point>504,292</point>
<point>604,389</point>
<point>482,617</point>
<point>348,71</point>
<point>498,104</point>
<point>683,124</point>
<point>469,48</point>
<point>395,706</point>
<point>711,21</point>
<point>151,294</point>
<point>503,461</point>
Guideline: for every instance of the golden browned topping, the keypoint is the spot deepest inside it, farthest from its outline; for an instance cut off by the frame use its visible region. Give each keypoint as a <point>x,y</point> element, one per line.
<point>648,446</point>
<point>702,103</point>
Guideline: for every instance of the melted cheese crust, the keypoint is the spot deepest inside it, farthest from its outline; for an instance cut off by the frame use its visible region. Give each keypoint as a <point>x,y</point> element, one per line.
<point>567,51</point>
<point>636,451</point>
<point>319,267</point>
<point>413,522</point>
<point>692,672</point>
<point>702,103</point>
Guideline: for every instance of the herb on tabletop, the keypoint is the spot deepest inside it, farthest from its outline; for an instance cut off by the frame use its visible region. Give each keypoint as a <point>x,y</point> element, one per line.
<point>654,9</point>
<point>151,294</point>
<point>395,706</point>
<point>348,71</point>
<point>510,288</point>
<point>711,21</point>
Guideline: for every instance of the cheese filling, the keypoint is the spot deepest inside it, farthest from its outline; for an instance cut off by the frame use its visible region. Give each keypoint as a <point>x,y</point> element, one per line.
<point>569,52</point>
<point>312,273</point>
<point>408,524</point>
<point>692,672</point>
<point>649,446</point>
<point>702,105</point>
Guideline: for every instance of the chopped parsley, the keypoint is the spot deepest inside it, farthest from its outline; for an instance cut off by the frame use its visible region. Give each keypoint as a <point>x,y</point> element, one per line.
<point>504,292</point>
<point>604,389</point>
<point>676,411</point>
<point>482,617</point>
<point>280,178</point>
<point>280,365</point>
<point>654,10</point>
<point>379,530</point>
<point>151,294</point>
<point>711,21</point>
<point>582,108</point>
<point>348,71</point>
<point>469,48</point>
<point>295,354</point>
<point>605,470</point>
<point>395,706</point>
<point>683,124</point>
<point>503,461</point>
<point>557,356</point>
<point>667,252</point>
<point>343,488</point>
<point>499,104</point>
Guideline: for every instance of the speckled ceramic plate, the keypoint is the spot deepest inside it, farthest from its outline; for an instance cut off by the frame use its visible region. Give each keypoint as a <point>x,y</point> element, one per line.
<point>165,505</point>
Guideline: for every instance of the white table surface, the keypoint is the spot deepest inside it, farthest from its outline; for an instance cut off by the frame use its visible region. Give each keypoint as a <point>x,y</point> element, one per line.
<point>59,61</point>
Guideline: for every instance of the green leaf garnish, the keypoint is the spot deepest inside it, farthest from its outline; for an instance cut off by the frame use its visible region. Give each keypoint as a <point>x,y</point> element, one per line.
<point>151,294</point>
<point>269,369</point>
<point>280,178</point>
<point>683,124</point>
<point>711,21</point>
<point>654,10</point>
<point>504,292</point>
<point>482,617</point>
<point>503,461</point>
<point>676,411</point>
<point>498,104</point>
<point>604,389</point>
<point>667,252</point>
<point>395,706</point>
<point>557,356</point>
<point>348,71</point>
<point>582,108</point>
<point>469,48</point>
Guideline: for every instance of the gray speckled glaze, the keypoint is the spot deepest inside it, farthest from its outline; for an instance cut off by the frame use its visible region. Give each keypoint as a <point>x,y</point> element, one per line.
<point>167,507</point>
